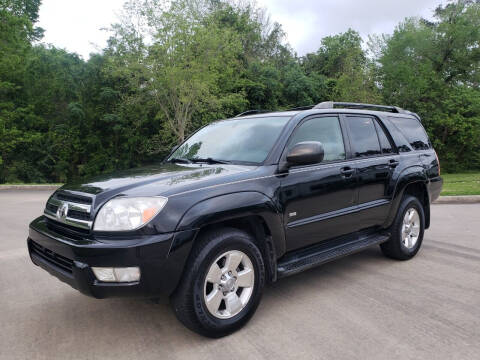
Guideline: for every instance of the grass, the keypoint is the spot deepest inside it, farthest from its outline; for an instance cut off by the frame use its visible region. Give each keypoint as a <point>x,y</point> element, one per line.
<point>19,183</point>
<point>453,184</point>
<point>461,184</point>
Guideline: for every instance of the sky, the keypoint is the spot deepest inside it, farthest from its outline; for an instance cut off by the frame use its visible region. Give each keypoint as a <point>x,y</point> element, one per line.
<point>77,25</point>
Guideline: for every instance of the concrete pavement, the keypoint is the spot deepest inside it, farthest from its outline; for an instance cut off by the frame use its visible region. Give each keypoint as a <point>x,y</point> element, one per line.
<point>361,307</point>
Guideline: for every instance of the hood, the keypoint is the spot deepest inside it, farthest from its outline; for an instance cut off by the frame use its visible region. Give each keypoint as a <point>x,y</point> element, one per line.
<point>162,179</point>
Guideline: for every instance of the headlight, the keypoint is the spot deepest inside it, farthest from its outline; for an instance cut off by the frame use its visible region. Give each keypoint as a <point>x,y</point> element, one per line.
<point>121,214</point>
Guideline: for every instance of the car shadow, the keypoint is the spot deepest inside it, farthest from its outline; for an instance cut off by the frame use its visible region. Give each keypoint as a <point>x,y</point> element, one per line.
<point>148,320</point>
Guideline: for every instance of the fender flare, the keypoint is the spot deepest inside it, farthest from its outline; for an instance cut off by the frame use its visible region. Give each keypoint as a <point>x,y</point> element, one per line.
<point>408,176</point>
<point>233,206</point>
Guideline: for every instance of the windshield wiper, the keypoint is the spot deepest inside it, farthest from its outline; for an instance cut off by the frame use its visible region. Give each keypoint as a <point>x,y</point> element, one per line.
<point>209,160</point>
<point>179,160</point>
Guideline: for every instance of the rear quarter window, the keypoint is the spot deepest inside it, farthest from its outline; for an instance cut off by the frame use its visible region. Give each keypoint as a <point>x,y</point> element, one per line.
<point>413,131</point>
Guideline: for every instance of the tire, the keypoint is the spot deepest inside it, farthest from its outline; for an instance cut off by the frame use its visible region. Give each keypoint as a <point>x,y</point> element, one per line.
<point>402,245</point>
<point>223,247</point>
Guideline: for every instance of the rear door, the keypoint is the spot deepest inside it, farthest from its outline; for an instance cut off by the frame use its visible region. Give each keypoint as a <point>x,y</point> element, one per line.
<point>316,198</point>
<point>375,161</point>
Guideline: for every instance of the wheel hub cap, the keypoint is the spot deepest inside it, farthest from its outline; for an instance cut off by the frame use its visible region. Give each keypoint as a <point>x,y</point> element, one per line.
<point>229,284</point>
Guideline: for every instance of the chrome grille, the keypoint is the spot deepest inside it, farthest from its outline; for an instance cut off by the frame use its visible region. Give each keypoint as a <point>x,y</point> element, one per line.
<point>72,210</point>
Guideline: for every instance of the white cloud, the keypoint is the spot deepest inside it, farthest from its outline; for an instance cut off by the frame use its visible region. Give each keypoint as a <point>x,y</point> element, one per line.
<point>76,25</point>
<point>307,21</point>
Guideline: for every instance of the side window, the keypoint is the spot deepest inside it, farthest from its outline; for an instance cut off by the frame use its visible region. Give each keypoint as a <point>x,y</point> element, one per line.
<point>363,136</point>
<point>385,144</point>
<point>326,130</point>
<point>413,132</point>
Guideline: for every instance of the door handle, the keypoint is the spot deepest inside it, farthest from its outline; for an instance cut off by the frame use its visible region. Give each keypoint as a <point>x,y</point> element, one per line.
<point>393,163</point>
<point>347,171</point>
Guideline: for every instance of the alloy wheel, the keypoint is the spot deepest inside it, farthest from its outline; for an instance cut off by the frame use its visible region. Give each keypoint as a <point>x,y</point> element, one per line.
<point>410,228</point>
<point>229,284</point>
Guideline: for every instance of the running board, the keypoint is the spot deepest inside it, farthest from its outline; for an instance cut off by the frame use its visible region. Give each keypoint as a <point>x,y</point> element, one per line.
<point>322,253</point>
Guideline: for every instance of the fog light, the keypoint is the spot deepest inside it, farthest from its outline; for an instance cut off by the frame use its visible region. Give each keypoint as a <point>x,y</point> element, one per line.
<point>127,274</point>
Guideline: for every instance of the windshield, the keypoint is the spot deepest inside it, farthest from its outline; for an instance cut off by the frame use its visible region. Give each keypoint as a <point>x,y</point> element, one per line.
<point>242,140</point>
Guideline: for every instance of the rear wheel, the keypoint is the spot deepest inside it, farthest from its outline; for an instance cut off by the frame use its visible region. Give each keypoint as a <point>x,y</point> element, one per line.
<point>407,230</point>
<point>222,284</point>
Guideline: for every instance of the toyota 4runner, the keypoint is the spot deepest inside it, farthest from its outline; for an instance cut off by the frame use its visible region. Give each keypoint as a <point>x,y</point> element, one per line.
<point>241,203</point>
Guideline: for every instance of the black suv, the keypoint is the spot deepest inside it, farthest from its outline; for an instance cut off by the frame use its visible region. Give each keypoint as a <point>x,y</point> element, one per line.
<point>241,203</point>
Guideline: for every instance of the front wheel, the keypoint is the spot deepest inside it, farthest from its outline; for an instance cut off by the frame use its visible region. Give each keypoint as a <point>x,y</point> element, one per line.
<point>222,284</point>
<point>407,230</point>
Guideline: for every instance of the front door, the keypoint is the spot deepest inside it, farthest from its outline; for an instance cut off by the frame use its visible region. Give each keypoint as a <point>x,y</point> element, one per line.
<point>316,198</point>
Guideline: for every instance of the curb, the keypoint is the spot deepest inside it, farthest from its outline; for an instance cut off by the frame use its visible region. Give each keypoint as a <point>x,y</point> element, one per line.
<point>29,187</point>
<point>467,199</point>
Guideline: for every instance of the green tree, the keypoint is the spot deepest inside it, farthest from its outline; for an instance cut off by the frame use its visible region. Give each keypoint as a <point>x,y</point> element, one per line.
<point>433,68</point>
<point>343,62</point>
<point>172,66</point>
<point>16,33</point>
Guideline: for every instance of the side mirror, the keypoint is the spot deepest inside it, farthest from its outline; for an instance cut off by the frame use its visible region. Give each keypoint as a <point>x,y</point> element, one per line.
<point>306,153</point>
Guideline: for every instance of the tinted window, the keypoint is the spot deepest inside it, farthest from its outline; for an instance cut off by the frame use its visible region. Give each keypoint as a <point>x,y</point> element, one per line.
<point>384,142</point>
<point>326,130</point>
<point>364,139</point>
<point>244,140</point>
<point>413,131</point>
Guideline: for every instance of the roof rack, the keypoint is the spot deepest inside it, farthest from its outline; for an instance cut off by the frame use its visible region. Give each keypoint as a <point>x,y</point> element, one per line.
<point>348,105</point>
<point>248,112</point>
<point>306,107</point>
<point>332,105</point>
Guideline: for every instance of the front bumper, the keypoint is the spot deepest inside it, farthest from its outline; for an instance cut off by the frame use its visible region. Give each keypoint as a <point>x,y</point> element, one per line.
<point>161,259</point>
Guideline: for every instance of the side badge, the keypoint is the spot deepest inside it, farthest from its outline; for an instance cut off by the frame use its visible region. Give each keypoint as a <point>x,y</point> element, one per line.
<point>292,214</point>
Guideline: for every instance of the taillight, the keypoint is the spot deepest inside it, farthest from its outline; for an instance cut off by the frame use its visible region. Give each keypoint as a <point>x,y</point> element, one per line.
<point>438,162</point>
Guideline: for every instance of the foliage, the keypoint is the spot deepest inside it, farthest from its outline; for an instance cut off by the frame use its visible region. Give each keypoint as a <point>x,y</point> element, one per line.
<point>432,68</point>
<point>172,66</point>
<point>342,60</point>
